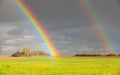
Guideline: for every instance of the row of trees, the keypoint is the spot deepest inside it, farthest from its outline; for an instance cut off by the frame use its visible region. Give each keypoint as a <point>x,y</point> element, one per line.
<point>26,52</point>
<point>97,55</point>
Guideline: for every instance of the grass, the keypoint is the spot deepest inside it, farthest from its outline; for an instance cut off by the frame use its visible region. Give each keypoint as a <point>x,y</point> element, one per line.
<point>61,66</point>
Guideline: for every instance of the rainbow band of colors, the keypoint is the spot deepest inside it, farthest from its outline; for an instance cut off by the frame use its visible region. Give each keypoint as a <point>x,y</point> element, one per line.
<point>98,25</point>
<point>37,26</point>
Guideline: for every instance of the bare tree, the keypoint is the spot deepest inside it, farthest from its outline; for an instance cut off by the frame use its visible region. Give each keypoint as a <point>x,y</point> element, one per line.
<point>26,51</point>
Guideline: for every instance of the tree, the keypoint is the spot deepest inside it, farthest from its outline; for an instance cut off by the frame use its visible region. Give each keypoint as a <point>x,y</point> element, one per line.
<point>111,54</point>
<point>118,54</point>
<point>17,54</point>
<point>26,51</point>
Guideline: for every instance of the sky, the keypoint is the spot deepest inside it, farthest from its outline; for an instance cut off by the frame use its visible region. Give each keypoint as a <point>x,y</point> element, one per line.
<point>66,23</point>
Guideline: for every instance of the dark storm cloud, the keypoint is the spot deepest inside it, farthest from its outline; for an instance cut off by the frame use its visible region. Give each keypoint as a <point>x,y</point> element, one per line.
<point>55,9</point>
<point>65,21</point>
<point>8,13</point>
<point>0,0</point>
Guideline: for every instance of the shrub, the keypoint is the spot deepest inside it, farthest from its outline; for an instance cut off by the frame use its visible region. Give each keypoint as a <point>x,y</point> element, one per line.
<point>26,52</point>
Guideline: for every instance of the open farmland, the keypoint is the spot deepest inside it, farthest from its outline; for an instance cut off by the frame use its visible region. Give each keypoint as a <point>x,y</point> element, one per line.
<point>61,66</point>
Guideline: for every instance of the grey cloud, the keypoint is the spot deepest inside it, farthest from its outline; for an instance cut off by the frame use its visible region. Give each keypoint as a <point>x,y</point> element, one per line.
<point>55,9</point>
<point>1,0</point>
<point>15,32</point>
<point>19,31</point>
<point>8,13</point>
<point>8,50</point>
<point>15,35</point>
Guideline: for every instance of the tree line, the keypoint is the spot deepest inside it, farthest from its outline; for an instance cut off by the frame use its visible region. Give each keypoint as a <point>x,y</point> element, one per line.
<point>26,52</point>
<point>97,54</point>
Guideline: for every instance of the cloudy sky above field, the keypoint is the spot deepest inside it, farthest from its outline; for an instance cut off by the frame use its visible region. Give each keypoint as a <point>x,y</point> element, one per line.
<point>66,22</point>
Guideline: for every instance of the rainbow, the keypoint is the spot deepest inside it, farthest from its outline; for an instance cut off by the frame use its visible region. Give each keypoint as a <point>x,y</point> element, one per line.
<point>98,25</point>
<point>36,25</point>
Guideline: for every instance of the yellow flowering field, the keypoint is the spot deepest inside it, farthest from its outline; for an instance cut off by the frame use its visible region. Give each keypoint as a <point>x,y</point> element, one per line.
<point>60,66</point>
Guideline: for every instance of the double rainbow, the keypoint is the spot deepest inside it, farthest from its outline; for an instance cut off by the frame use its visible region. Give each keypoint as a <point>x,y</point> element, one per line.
<point>38,27</point>
<point>93,17</point>
<point>98,25</point>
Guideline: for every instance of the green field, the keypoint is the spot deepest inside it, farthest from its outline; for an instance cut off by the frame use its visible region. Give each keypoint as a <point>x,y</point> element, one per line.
<point>61,66</point>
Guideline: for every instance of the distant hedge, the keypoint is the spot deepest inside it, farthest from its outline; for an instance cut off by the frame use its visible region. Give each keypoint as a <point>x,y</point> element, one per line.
<point>95,55</point>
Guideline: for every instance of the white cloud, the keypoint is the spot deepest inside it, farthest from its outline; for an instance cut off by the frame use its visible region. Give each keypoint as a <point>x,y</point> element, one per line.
<point>28,37</point>
<point>5,27</point>
<point>3,35</point>
<point>8,48</point>
<point>86,48</point>
<point>21,39</point>
<point>10,41</point>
